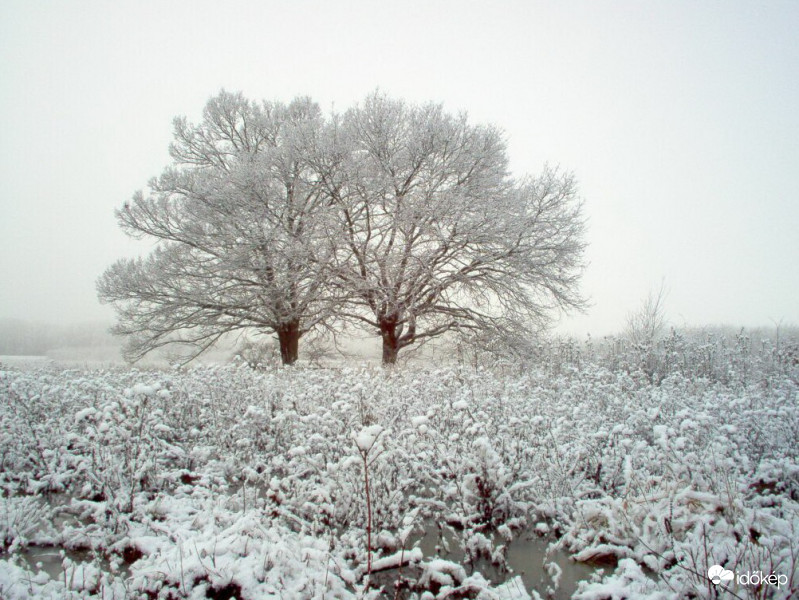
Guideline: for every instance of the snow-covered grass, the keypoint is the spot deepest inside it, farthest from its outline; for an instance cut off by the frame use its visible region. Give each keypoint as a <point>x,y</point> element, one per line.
<point>227,482</point>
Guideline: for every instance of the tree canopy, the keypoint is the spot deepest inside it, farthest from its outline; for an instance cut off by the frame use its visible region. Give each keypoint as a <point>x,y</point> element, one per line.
<point>239,218</point>
<point>401,218</point>
<point>436,235</point>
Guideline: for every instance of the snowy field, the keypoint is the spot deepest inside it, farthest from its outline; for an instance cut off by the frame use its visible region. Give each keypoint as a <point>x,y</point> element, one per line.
<point>586,475</point>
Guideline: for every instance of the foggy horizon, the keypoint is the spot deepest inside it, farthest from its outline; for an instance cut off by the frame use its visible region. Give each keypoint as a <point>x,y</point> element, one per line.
<point>678,122</point>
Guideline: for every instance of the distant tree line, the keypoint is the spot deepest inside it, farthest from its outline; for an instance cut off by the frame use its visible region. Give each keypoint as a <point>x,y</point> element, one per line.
<point>25,338</point>
<point>402,219</point>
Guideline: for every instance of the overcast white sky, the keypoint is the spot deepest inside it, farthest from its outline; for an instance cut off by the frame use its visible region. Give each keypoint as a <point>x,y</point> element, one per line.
<point>679,119</point>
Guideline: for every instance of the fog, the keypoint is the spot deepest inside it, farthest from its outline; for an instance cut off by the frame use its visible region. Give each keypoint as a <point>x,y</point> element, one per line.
<point>679,121</point>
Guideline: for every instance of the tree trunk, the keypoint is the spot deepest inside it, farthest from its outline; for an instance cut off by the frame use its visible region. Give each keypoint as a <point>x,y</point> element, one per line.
<point>288,334</point>
<point>388,331</point>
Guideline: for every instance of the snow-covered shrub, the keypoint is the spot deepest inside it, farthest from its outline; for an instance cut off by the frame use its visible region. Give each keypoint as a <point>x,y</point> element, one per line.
<point>20,518</point>
<point>175,478</point>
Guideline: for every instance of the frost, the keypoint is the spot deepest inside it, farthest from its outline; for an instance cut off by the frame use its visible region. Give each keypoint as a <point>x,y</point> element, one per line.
<point>512,589</point>
<point>85,413</point>
<point>255,480</point>
<point>366,438</point>
<point>404,557</point>
<point>442,572</point>
<point>144,390</point>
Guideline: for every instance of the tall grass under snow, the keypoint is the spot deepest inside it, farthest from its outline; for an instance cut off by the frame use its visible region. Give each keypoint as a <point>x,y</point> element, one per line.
<point>654,463</point>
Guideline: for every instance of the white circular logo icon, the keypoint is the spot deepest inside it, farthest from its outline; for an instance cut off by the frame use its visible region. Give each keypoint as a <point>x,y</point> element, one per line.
<point>717,574</point>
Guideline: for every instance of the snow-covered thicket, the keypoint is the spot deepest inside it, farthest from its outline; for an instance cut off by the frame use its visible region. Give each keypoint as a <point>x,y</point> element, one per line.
<point>226,482</point>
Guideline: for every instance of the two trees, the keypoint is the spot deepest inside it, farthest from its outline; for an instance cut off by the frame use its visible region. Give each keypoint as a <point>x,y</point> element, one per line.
<point>397,217</point>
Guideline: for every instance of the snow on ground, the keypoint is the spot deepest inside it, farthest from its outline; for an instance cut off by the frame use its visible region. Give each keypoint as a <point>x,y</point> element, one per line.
<point>225,482</point>
<point>25,362</point>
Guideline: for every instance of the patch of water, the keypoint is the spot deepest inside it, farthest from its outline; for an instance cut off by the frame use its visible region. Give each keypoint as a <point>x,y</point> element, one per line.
<point>81,571</point>
<point>49,516</point>
<point>529,556</point>
<point>55,562</point>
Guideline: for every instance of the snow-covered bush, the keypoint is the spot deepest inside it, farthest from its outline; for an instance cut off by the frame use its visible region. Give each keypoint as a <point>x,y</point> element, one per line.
<point>226,481</point>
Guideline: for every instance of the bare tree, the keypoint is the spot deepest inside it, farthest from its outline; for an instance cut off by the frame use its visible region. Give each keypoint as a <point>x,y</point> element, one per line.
<point>437,237</point>
<point>645,325</point>
<point>401,218</point>
<point>241,231</point>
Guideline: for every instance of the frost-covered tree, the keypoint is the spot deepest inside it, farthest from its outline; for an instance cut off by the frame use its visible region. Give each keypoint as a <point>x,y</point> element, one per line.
<point>241,228</point>
<point>436,236</point>
<point>646,324</point>
<point>398,217</point>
